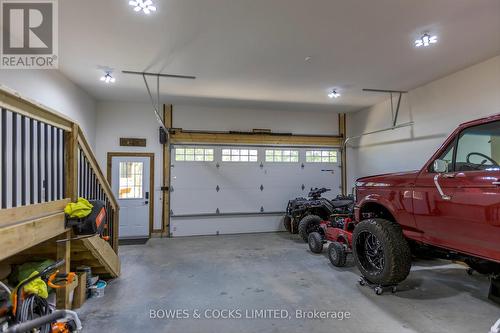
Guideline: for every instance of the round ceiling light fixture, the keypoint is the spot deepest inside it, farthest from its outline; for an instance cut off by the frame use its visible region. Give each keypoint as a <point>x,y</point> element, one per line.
<point>107,78</point>
<point>334,94</point>
<point>425,40</point>
<point>145,6</point>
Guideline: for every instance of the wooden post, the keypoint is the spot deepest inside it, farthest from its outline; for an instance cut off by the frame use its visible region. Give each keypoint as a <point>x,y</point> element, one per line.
<point>116,219</point>
<point>64,252</point>
<point>71,163</point>
<point>64,249</point>
<point>343,155</point>
<point>167,120</point>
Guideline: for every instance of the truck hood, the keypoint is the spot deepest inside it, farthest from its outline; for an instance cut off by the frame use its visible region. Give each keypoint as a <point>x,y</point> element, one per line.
<point>388,179</point>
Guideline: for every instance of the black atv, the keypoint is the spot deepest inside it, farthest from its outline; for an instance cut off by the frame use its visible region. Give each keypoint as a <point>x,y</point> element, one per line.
<point>303,215</point>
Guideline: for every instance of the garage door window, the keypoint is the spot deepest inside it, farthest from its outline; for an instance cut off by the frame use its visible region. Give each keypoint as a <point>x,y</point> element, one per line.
<point>279,155</point>
<point>194,155</point>
<point>130,180</point>
<point>239,155</point>
<point>321,156</point>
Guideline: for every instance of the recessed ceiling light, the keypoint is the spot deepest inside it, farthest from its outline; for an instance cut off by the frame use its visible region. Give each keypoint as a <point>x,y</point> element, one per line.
<point>108,78</point>
<point>334,94</point>
<point>426,40</point>
<point>146,6</point>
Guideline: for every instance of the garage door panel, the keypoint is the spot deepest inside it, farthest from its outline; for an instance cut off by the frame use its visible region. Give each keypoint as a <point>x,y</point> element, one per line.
<point>227,225</point>
<point>188,202</point>
<point>240,201</point>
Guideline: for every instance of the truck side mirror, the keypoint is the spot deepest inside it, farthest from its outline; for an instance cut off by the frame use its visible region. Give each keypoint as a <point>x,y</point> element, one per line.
<point>440,166</point>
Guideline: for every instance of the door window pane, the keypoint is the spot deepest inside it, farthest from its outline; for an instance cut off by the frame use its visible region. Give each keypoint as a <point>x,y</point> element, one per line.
<point>279,155</point>
<point>194,155</point>
<point>478,148</point>
<point>239,155</point>
<point>131,175</point>
<point>321,156</point>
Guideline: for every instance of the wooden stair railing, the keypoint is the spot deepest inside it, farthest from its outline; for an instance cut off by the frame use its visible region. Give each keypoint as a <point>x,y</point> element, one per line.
<point>44,158</point>
<point>46,162</point>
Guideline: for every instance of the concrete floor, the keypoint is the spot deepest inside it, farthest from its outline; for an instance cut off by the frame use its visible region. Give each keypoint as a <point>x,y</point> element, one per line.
<point>277,271</point>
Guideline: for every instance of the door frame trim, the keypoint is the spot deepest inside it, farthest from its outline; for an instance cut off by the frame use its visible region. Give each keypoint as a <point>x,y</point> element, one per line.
<point>151,178</point>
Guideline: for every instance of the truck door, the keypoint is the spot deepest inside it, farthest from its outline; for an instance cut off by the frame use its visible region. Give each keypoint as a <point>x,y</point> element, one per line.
<point>467,211</point>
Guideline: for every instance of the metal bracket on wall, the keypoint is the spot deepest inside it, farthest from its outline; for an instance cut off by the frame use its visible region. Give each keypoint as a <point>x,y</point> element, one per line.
<point>156,104</point>
<point>262,209</point>
<point>217,188</point>
<point>303,187</point>
<point>261,187</point>
<point>394,113</point>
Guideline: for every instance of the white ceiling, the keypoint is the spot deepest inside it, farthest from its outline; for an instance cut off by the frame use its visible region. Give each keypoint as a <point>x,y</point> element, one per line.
<point>252,52</point>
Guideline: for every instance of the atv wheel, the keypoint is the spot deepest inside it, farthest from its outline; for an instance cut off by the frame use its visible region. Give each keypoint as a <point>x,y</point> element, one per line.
<point>295,225</point>
<point>381,252</point>
<point>287,222</point>
<point>337,254</point>
<point>315,241</point>
<point>309,224</point>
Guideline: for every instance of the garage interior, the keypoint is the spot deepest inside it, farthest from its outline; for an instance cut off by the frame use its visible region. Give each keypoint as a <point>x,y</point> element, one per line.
<point>190,125</point>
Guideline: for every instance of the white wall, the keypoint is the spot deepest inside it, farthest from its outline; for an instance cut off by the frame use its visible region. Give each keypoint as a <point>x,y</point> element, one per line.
<point>53,89</point>
<point>117,120</point>
<point>436,108</point>
<point>193,117</point>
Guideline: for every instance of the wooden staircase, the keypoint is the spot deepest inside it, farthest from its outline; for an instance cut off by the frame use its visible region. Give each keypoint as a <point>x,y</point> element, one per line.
<point>33,226</point>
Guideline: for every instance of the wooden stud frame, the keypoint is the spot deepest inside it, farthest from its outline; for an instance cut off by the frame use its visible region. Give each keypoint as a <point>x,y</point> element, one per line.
<point>168,121</point>
<point>343,156</point>
<point>151,179</point>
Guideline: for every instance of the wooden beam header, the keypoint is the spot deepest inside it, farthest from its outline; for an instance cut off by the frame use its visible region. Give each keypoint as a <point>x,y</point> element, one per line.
<point>178,136</point>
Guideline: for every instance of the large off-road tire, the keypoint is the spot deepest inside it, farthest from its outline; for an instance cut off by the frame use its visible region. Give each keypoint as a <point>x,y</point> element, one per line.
<point>381,252</point>
<point>308,224</point>
<point>287,223</point>
<point>337,254</point>
<point>315,241</point>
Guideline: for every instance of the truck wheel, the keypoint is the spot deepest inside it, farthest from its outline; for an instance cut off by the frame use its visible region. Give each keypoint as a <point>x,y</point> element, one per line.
<point>381,252</point>
<point>287,222</point>
<point>337,254</point>
<point>308,224</point>
<point>315,241</point>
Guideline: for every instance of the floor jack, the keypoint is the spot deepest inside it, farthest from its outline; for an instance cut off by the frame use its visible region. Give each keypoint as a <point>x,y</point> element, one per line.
<point>378,289</point>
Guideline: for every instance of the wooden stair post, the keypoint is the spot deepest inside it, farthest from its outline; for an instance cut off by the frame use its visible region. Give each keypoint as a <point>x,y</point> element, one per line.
<point>64,248</point>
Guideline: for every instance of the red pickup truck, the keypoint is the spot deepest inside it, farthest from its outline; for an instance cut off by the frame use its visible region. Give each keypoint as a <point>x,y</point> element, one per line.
<point>449,209</point>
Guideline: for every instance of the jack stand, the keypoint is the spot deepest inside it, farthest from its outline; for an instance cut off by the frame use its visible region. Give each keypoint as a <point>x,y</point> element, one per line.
<point>494,293</point>
<point>379,290</point>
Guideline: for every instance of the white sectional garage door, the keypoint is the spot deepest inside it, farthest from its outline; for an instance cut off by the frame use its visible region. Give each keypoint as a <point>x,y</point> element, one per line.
<point>242,189</point>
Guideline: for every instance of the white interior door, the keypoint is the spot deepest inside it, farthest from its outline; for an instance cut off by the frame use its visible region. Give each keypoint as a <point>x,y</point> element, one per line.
<point>130,183</point>
<point>241,189</point>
